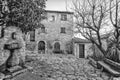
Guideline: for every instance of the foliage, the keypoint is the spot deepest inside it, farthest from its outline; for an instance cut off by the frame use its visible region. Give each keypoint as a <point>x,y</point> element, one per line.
<point>113,49</point>
<point>30,46</point>
<point>94,15</point>
<point>90,16</point>
<point>25,14</point>
<point>96,53</point>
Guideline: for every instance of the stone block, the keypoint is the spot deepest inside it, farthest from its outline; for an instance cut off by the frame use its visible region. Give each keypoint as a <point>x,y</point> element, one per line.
<point>15,68</point>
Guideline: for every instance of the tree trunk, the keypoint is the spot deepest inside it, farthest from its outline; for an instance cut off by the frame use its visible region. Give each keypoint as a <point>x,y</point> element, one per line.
<point>101,49</point>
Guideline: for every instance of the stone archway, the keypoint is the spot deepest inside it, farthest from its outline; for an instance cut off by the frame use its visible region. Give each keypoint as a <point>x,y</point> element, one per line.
<point>57,47</point>
<point>41,47</point>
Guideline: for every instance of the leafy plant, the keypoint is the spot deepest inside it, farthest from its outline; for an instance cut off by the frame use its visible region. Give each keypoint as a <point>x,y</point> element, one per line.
<point>25,14</point>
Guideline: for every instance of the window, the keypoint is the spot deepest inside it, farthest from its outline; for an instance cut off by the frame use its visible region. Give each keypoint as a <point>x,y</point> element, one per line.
<point>41,45</point>
<point>32,35</point>
<point>57,46</point>
<point>62,29</point>
<point>63,17</point>
<point>52,18</point>
<point>43,29</point>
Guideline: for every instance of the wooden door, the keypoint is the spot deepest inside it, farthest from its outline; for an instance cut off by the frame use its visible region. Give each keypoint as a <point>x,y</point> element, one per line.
<point>41,47</point>
<point>81,51</point>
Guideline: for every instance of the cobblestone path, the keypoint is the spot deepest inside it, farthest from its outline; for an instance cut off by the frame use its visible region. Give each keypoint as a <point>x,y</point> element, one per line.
<point>59,67</point>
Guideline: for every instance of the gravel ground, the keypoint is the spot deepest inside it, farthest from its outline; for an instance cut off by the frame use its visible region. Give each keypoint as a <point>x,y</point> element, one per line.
<point>60,67</point>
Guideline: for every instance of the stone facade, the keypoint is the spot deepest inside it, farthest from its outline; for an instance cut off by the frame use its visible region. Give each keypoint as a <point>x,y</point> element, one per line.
<point>51,32</point>
<point>89,49</point>
<point>86,50</point>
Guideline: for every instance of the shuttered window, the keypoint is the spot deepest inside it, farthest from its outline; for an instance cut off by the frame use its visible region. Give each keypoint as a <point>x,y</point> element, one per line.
<point>63,30</point>
<point>32,35</point>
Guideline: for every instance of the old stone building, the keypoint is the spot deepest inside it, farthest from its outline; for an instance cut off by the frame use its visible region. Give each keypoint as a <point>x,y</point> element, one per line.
<point>55,36</point>
<point>83,48</point>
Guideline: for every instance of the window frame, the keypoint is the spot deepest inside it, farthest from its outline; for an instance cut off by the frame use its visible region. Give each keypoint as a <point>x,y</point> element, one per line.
<point>62,30</point>
<point>53,18</point>
<point>57,46</point>
<point>63,17</point>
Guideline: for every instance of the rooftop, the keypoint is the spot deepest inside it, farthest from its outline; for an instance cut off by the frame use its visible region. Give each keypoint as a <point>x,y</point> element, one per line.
<point>80,40</point>
<point>52,11</point>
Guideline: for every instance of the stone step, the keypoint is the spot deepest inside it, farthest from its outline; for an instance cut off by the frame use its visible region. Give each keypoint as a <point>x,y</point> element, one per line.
<point>19,72</point>
<point>109,69</point>
<point>15,68</point>
<point>15,73</point>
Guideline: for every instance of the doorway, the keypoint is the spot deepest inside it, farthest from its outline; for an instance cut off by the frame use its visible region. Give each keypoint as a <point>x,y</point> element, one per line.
<point>57,48</point>
<point>81,50</point>
<point>41,47</point>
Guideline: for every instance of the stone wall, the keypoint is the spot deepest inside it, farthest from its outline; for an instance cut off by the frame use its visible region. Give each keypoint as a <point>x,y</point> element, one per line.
<point>53,32</point>
<point>87,50</point>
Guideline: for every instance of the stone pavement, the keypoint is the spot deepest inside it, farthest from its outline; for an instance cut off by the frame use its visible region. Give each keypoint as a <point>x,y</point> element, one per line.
<point>61,67</point>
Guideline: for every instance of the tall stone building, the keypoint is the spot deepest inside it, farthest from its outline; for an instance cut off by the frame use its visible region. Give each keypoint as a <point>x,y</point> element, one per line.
<point>55,36</point>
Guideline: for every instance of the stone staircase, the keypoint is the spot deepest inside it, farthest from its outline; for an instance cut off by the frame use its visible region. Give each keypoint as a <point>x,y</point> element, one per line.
<point>14,71</point>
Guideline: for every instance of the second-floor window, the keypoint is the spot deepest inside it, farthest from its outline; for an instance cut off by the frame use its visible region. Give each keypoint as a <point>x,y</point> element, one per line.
<point>32,35</point>
<point>63,17</point>
<point>63,30</point>
<point>53,18</point>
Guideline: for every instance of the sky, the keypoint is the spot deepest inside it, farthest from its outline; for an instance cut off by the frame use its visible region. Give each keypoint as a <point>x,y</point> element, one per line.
<point>59,5</point>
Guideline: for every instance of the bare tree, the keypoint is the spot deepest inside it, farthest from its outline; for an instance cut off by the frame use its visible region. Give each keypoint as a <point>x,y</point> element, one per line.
<point>113,47</point>
<point>91,16</point>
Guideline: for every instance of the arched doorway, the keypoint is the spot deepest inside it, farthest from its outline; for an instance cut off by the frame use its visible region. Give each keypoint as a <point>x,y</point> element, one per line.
<point>41,47</point>
<point>57,47</point>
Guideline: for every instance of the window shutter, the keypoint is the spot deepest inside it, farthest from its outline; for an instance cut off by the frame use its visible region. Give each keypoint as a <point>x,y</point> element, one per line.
<point>32,35</point>
<point>62,29</point>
